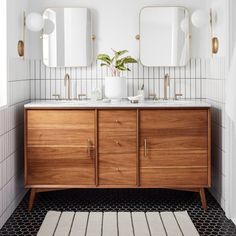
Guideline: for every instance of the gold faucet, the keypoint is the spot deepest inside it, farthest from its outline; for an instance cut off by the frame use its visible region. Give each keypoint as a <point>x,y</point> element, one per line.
<point>67,82</point>
<point>166,85</point>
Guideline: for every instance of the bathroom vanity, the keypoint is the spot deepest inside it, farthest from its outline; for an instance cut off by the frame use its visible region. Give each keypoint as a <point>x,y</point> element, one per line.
<point>121,145</point>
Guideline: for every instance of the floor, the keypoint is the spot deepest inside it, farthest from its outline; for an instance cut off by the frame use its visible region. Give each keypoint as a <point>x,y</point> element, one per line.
<point>210,223</point>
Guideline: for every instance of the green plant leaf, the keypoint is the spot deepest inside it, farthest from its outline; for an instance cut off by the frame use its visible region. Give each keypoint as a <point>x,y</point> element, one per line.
<point>125,60</point>
<point>116,61</point>
<point>121,68</point>
<point>129,60</point>
<point>118,54</point>
<point>104,64</point>
<point>105,58</point>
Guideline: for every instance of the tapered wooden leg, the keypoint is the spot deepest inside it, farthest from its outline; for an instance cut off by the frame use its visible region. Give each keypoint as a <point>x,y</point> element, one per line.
<point>203,198</point>
<point>32,198</point>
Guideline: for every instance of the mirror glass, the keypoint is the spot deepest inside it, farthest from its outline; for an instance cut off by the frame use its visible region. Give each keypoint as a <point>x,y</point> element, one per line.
<point>164,36</point>
<point>67,37</point>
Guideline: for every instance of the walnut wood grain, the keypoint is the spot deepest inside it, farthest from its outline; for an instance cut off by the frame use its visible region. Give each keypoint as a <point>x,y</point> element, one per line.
<point>117,175</point>
<point>203,199</point>
<point>171,118</point>
<point>117,135</point>
<point>60,119</point>
<point>172,158</point>
<point>59,137</point>
<point>170,177</point>
<point>178,149</point>
<point>31,198</point>
<point>117,120</point>
<point>41,173</point>
<point>124,160</point>
<point>58,150</point>
<point>122,142</point>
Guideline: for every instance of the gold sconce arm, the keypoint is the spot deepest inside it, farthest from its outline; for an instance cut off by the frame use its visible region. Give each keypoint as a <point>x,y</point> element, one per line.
<point>21,43</point>
<point>214,40</point>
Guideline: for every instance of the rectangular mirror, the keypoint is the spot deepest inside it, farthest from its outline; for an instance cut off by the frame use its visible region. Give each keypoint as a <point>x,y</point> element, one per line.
<point>67,37</point>
<point>164,36</point>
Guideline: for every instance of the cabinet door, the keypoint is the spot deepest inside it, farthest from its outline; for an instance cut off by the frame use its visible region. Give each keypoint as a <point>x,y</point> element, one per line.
<point>117,147</point>
<point>174,148</point>
<point>60,147</point>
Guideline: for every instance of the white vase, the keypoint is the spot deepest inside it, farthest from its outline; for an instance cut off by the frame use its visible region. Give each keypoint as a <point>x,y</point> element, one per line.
<point>115,87</point>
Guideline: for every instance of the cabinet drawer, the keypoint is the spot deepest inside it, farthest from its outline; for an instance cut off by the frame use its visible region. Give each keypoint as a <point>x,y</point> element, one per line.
<point>167,158</point>
<point>56,119</point>
<point>60,166</point>
<point>117,176</point>
<point>117,120</point>
<point>174,177</point>
<point>66,137</point>
<point>125,160</point>
<point>124,142</point>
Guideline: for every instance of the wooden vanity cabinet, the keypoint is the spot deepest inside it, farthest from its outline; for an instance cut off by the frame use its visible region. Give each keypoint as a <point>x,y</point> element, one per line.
<point>174,147</point>
<point>118,148</point>
<point>60,148</point>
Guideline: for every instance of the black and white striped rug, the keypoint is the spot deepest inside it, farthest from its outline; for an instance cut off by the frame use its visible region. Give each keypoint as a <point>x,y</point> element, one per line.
<point>117,224</point>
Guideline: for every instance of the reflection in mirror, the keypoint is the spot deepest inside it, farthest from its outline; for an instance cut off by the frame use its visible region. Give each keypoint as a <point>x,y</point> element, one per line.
<point>67,37</point>
<point>164,36</point>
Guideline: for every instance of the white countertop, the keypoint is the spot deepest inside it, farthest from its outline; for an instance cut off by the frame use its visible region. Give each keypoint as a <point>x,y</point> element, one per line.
<point>116,104</point>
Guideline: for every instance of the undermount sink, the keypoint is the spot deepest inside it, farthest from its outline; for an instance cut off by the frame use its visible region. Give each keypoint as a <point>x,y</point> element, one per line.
<point>70,101</point>
<point>170,102</point>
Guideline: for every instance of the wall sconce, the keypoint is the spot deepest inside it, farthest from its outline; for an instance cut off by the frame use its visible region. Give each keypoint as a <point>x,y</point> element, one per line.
<point>201,18</point>
<point>35,23</point>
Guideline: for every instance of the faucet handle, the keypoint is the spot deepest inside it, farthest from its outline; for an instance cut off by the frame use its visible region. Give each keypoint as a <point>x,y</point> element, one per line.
<point>57,96</point>
<point>167,79</point>
<point>178,95</point>
<point>81,95</point>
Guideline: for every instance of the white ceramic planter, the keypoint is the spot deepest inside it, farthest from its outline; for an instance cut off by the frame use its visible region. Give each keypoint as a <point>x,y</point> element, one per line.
<point>115,87</point>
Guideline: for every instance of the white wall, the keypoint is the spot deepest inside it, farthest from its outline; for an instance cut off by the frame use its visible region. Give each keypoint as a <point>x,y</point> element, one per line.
<point>232,134</point>
<point>117,22</point>
<point>11,118</point>
<point>215,94</point>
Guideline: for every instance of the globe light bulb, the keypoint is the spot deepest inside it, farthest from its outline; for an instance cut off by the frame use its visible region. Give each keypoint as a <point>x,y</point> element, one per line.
<point>34,22</point>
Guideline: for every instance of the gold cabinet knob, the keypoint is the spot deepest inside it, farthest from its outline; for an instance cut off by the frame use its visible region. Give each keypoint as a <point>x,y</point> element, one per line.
<point>118,122</point>
<point>118,170</point>
<point>117,142</point>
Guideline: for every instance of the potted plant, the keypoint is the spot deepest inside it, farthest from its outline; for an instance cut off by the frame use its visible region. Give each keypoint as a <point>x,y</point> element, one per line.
<point>115,85</point>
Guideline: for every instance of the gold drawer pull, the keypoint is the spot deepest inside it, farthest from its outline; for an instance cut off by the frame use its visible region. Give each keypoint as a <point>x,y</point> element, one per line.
<point>145,148</point>
<point>117,142</point>
<point>118,122</point>
<point>118,170</point>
